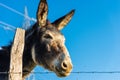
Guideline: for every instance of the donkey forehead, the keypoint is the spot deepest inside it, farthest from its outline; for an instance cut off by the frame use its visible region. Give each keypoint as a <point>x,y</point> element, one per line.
<point>56,35</point>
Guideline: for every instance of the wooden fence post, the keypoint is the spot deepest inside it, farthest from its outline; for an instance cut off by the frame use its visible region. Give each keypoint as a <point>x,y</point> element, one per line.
<point>16,55</point>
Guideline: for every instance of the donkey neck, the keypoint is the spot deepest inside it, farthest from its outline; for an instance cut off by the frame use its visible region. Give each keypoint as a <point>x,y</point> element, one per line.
<point>28,63</point>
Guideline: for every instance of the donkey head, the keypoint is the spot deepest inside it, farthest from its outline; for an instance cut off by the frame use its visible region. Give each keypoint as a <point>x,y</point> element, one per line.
<point>50,50</point>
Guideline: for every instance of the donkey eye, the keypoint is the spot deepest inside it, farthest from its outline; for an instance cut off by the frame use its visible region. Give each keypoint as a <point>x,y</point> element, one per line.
<point>48,36</point>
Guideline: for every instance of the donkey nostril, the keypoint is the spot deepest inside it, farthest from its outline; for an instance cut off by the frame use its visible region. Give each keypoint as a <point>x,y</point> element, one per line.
<point>64,65</point>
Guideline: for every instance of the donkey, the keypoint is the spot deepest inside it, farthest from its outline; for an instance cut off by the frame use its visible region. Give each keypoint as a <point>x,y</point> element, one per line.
<point>44,46</point>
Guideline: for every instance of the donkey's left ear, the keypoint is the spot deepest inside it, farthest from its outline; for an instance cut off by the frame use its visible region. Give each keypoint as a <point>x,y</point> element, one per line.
<point>42,13</point>
<point>63,21</point>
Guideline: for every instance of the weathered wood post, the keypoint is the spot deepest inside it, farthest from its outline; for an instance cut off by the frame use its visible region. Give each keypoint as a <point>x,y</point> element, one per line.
<point>16,55</point>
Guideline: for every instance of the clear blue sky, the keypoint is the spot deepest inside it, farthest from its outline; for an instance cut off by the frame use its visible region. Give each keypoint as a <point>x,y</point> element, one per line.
<point>92,36</point>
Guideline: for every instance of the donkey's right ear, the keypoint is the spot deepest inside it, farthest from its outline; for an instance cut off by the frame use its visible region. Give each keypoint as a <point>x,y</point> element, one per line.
<point>42,13</point>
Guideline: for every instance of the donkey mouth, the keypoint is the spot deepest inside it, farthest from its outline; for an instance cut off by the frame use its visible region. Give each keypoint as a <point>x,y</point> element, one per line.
<point>62,73</point>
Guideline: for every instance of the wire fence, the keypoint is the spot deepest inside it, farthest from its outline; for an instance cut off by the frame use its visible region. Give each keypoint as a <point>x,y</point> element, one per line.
<point>77,72</point>
<point>17,12</point>
<point>7,26</point>
<point>76,75</point>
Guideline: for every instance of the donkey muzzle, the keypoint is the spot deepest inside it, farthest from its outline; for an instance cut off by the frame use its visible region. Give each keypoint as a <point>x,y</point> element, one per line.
<point>64,69</point>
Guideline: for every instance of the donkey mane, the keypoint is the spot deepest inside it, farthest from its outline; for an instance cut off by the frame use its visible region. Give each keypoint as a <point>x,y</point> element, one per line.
<point>44,46</point>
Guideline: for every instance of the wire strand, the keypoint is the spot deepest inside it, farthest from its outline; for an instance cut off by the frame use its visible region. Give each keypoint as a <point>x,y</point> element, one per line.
<point>7,26</point>
<point>77,72</point>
